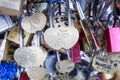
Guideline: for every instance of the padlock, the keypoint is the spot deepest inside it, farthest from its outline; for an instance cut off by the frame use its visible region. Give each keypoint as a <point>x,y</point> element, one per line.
<point>112,39</point>
<point>3,46</point>
<point>34,22</point>
<point>14,36</point>
<point>64,66</point>
<point>62,37</point>
<point>75,53</point>
<point>104,64</point>
<point>5,23</point>
<point>112,36</point>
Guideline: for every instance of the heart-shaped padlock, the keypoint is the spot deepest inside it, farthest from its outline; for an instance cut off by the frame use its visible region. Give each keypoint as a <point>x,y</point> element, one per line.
<point>34,23</point>
<point>64,66</point>
<point>62,37</point>
<point>104,64</point>
<point>30,56</point>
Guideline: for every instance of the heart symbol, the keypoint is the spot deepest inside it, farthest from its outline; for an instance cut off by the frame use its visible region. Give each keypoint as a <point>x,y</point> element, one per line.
<point>30,56</point>
<point>62,37</point>
<point>34,23</point>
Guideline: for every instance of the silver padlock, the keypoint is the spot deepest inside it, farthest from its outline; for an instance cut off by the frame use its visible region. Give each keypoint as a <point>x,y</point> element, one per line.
<point>5,23</point>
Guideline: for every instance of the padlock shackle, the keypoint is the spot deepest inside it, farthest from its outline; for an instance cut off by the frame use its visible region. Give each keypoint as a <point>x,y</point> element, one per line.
<point>79,9</point>
<point>20,32</point>
<point>50,11</point>
<point>69,13</point>
<point>38,33</point>
<point>58,56</point>
<point>21,36</point>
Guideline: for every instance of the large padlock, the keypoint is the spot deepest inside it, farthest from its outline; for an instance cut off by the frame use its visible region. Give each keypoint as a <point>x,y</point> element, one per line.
<point>62,37</point>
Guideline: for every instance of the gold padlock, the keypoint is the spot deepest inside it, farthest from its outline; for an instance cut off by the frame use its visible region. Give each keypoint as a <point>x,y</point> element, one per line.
<point>14,36</point>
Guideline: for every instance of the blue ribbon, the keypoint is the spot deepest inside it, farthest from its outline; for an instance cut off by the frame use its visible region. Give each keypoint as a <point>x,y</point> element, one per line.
<point>7,71</point>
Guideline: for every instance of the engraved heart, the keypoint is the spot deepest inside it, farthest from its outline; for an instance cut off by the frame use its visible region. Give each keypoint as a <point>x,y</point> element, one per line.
<point>30,56</point>
<point>34,23</point>
<point>62,37</point>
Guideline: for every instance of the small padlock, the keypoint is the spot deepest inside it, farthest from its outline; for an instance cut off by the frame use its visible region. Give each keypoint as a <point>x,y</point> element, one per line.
<point>64,66</point>
<point>104,64</point>
<point>34,22</point>
<point>3,46</point>
<point>112,36</point>
<point>75,53</point>
<point>14,36</point>
<point>5,23</point>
